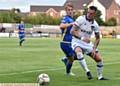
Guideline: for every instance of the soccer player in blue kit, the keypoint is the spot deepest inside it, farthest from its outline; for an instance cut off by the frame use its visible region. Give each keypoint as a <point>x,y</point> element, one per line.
<point>21,33</point>
<point>65,44</point>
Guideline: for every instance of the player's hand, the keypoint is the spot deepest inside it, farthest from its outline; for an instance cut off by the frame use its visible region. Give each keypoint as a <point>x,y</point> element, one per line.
<point>71,24</point>
<point>93,52</point>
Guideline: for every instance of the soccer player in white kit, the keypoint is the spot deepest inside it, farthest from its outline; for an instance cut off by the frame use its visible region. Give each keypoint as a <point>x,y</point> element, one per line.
<point>82,30</point>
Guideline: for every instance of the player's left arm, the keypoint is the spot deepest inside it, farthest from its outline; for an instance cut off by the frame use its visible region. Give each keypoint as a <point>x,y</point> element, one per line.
<point>96,30</point>
<point>97,40</point>
<point>96,43</point>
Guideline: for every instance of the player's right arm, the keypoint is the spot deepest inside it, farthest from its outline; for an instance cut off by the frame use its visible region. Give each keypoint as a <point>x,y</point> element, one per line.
<point>65,25</point>
<point>76,26</point>
<point>74,32</point>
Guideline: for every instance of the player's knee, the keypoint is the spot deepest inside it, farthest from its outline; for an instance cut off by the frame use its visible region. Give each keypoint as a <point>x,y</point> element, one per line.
<point>79,55</point>
<point>97,58</point>
<point>78,49</point>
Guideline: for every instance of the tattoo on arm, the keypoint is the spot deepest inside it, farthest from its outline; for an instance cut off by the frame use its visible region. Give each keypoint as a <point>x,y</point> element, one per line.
<point>97,36</point>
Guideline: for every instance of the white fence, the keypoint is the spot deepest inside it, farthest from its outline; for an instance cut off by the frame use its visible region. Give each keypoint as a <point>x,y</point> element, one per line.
<point>8,35</point>
<point>49,31</point>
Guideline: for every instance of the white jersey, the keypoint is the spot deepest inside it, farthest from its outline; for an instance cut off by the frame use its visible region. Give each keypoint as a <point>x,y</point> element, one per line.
<point>85,30</point>
<point>85,27</point>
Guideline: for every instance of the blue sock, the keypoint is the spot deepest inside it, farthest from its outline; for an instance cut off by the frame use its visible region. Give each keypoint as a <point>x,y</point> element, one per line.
<point>68,67</point>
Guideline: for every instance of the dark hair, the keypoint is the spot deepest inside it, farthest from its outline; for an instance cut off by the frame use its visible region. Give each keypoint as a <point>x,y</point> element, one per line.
<point>69,4</point>
<point>93,8</point>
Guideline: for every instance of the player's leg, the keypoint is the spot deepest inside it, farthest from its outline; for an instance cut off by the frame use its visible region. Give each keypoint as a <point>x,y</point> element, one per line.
<point>76,45</point>
<point>69,54</point>
<point>99,62</point>
<point>66,48</point>
<point>82,61</point>
<point>97,57</point>
<point>64,59</point>
<point>22,39</point>
<point>69,65</point>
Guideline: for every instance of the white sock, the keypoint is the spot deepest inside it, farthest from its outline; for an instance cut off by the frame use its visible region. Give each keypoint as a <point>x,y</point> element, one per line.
<point>84,65</point>
<point>82,61</point>
<point>99,69</point>
<point>64,58</point>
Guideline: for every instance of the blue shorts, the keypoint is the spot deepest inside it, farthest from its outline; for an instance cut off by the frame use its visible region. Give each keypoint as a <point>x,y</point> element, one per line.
<point>21,35</point>
<point>67,49</point>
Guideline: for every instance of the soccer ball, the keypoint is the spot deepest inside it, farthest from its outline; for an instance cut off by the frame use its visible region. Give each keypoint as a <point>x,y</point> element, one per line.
<point>43,79</point>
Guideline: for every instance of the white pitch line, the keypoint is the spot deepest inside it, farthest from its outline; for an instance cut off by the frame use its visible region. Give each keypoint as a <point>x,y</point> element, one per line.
<point>15,73</point>
<point>117,78</point>
<point>49,69</point>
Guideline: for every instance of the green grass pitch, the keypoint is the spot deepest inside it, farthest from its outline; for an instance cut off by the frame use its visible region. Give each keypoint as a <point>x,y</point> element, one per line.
<point>42,55</point>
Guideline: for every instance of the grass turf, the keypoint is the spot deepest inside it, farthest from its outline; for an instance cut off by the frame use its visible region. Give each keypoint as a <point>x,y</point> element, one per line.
<point>42,55</point>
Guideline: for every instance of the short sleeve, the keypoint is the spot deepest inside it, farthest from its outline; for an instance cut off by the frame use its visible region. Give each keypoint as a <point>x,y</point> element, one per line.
<point>64,20</point>
<point>79,21</point>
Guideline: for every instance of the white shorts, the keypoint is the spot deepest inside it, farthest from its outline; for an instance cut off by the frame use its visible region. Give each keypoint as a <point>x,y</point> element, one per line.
<point>86,47</point>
